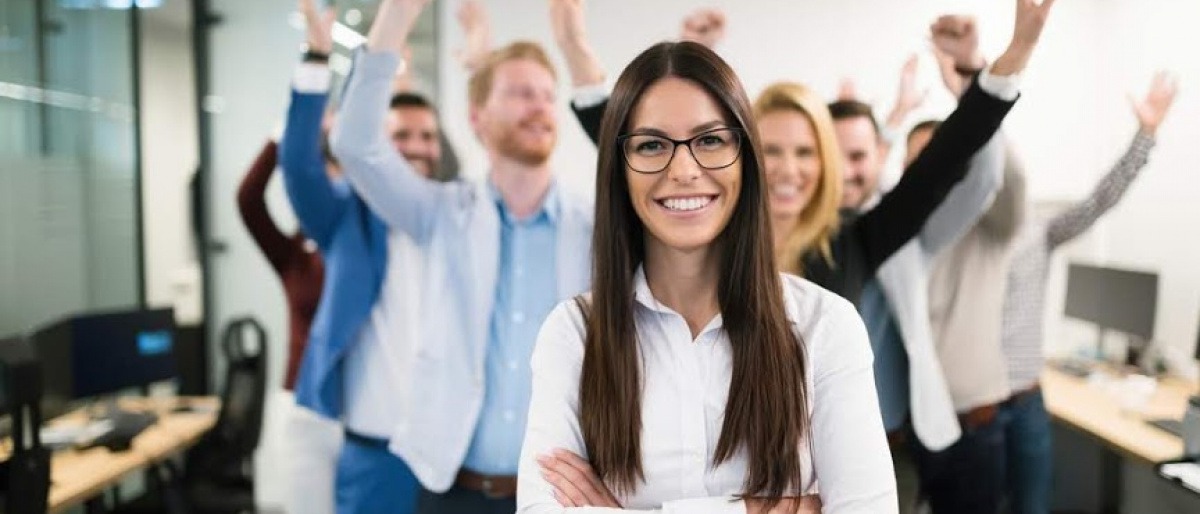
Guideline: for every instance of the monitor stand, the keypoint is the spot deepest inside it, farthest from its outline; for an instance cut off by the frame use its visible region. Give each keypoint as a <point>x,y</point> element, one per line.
<point>1098,352</point>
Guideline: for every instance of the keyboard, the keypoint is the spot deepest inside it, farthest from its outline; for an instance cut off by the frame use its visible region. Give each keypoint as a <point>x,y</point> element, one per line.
<point>1172,426</point>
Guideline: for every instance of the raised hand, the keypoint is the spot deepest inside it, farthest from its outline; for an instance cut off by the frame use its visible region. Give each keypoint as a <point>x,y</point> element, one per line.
<point>318,27</point>
<point>570,32</point>
<point>1027,30</point>
<point>566,19</point>
<point>704,26</point>
<point>908,98</point>
<point>403,81</point>
<point>1153,109</point>
<point>955,83</point>
<point>847,90</point>
<point>575,483</point>
<point>958,37</point>
<point>477,31</point>
<point>393,23</point>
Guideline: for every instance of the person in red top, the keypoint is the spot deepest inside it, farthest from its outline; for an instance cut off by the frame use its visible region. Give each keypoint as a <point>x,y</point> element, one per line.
<point>293,257</point>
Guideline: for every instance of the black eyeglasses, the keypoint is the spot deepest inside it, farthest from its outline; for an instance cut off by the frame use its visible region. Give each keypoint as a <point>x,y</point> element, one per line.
<point>712,150</point>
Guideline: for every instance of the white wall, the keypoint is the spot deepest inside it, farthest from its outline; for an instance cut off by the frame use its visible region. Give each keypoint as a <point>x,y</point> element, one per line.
<point>169,159</point>
<point>1070,125</point>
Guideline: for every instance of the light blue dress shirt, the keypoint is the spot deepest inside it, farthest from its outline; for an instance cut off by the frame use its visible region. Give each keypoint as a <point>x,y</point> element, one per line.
<point>526,292</point>
<point>891,362</point>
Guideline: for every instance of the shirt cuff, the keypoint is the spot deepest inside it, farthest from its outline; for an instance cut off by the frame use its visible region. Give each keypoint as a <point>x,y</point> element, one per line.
<point>1006,88</point>
<point>311,78</point>
<point>591,96</point>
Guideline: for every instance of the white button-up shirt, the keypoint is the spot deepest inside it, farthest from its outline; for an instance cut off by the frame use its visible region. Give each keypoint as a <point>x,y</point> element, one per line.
<point>685,386</point>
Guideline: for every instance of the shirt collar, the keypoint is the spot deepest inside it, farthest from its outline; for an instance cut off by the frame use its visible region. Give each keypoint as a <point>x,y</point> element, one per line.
<point>643,296</point>
<point>551,209</point>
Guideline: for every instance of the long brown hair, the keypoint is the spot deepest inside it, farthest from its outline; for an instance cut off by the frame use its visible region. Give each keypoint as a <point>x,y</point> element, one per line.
<point>766,413</point>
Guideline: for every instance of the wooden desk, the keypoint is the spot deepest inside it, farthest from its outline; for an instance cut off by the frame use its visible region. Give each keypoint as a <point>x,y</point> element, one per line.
<point>77,476</point>
<point>1095,412</point>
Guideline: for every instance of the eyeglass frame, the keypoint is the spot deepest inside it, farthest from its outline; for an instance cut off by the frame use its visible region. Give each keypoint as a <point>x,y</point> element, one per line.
<point>738,132</point>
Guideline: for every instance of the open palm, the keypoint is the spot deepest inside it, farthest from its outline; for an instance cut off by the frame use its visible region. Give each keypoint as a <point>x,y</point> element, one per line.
<point>1154,107</point>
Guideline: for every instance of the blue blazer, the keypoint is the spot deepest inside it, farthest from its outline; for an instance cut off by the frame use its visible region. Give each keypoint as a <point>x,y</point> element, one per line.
<point>353,242</point>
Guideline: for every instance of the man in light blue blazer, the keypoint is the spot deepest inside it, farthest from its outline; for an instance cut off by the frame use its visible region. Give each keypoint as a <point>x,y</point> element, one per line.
<point>497,257</point>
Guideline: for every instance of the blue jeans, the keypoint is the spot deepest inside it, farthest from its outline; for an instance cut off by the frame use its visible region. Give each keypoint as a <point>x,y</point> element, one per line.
<point>372,480</point>
<point>967,477</point>
<point>1029,453</point>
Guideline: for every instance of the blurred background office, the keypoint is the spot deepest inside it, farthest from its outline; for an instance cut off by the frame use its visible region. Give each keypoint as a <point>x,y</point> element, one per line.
<point>127,126</point>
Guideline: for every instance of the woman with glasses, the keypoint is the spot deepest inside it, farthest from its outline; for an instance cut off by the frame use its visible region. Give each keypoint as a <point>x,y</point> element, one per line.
<point>695,377</point>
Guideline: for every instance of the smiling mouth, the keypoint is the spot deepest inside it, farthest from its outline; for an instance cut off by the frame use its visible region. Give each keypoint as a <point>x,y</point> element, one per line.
<point>787,191</point>
<point>686,204</point>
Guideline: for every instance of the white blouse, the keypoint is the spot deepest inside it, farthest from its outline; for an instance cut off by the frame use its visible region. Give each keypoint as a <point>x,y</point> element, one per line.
<point>685,385</point>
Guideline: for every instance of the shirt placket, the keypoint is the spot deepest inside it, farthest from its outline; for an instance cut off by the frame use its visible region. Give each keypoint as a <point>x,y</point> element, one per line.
<point>691,417</point>
<point>517,317</point>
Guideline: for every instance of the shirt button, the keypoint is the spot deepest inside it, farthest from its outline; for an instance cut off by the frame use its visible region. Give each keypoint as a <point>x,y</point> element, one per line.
<point>509,416</point>
<point>518,317</point>
<point>519,272</point>
<point>513,364</point>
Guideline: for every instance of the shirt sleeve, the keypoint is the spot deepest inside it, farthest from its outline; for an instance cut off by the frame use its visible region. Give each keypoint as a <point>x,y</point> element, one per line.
<point>1080,217</point>
<point>387,182</point>
<point>968,200</point>
<point>1004,87</point>
<point>902,213</point>
<point>553,422</point>
<point>850,453</point>
<point>311,78</point>
<point>590,95</point>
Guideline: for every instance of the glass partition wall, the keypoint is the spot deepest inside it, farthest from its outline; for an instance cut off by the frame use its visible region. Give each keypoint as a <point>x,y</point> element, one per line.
<point>69,211</point>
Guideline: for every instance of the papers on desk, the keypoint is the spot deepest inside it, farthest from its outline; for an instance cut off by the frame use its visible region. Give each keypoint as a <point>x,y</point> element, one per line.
<point>68,435</point>
<point>1185,473</point>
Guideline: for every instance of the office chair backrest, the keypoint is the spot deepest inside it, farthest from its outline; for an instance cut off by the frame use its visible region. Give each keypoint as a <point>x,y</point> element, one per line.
<point>26,474</point>
<point>243,400</point>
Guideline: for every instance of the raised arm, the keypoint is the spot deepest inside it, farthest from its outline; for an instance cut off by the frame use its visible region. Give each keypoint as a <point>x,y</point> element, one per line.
<point>928,179</point>
<point>968,200</point>
<point>318,204</point>
<point>587,75</point>
<point>956,46</point>
<point>252,205</point>
<point>908,99</point>
<point>477,34</point>
<point>380,175</point>
<point>1081,216</point>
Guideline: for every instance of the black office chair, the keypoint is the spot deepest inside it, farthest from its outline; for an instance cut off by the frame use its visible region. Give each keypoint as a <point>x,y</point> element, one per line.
<point>218,472</point>
<point>25,476</point>
<point>219,475</point>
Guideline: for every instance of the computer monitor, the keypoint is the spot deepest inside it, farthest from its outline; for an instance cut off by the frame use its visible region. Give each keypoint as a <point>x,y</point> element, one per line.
<point>1114,299</point>
<point>91,355</point>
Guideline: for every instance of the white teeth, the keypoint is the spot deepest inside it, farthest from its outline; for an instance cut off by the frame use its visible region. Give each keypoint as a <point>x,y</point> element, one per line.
<point>687,204</point>
<point>786,191</point>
